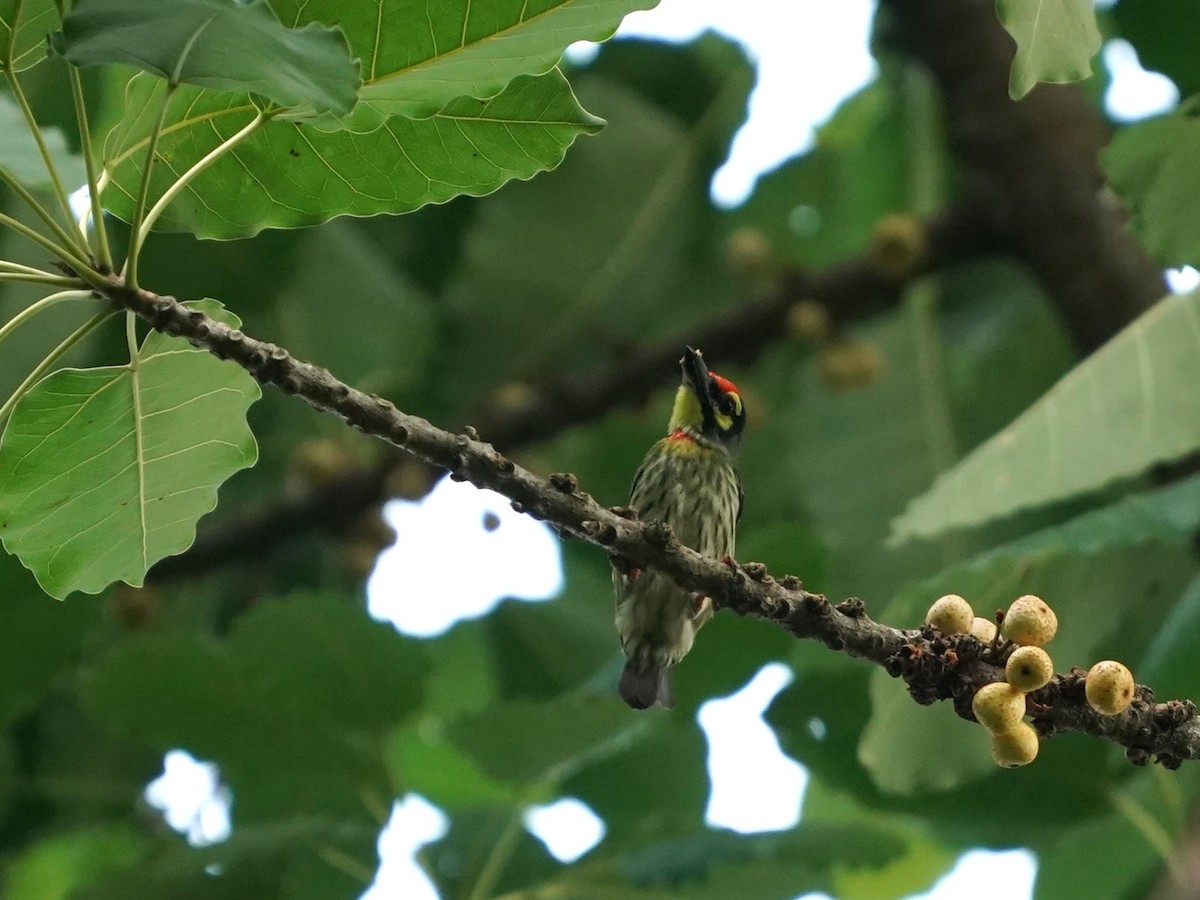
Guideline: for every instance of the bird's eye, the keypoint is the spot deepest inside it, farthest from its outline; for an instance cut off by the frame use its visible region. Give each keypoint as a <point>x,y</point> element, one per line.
<point>726,405</point>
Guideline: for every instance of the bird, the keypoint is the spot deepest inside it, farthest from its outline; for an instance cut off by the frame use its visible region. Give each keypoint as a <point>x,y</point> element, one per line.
<point>688,480</point>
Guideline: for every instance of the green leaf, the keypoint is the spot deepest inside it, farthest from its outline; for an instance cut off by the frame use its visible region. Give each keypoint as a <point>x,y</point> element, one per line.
<point>1151,165</point>
<point>340,261</point>
<point>218,44</point>
<point>37,19</point>
<point>20,156</point>
<point>1076,563</point>
<point>990,312</point>
<point>530,743</point>
<point>56,867</point>
<point>543,650</point>
<point>105,471</point>
<point>655,787</point>
<point>923,860</point>
<point>39,641</point>
<point>1131,404</point>
<point>287,859</point>
<point>1055,41</point>
<point>848,485</point>
<point>1169,663</point>
<point>712,864</point>
<point>458,861</point>
<point>417,57</point>
<point>895,745</point>
<point>1129,560</point>
<point>1115,856</point>
<point>429,764</point>
<point>294,707</point>
<point>290,174</point>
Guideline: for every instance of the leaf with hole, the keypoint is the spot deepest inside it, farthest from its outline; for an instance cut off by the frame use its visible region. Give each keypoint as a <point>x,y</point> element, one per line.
<point>105,471</point>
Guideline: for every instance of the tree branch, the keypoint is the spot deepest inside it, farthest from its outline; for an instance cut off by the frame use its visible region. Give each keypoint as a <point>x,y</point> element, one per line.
<point>850,290</point>
<point>935,667</point>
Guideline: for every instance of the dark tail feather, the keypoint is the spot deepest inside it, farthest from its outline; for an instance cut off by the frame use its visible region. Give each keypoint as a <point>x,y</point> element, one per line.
<point>642,689</point>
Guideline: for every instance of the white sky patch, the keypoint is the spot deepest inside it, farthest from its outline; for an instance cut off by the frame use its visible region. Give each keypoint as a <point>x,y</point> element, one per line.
<point>987,875</point>
<point>80,201</point>
<point>192,798</point>
<point>755,787</point>
<point>414,823</point>
<point>567,827</point>
<point>808,62</point>
<point>466,537</point>
<point>1134,93</point>
<point>1182,280</point>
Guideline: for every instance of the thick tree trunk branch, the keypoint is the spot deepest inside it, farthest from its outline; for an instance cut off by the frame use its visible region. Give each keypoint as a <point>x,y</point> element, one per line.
<point>934,667</point>
<point>1033,163</point>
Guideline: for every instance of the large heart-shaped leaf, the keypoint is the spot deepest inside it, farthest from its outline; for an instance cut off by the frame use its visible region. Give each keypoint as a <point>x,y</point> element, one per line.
<point>1056,40</point>
<point>105,471</point>
<point>1131,404</point>
<point>417,57</point>
<point>289,174</point>
<point>218,44</point>
<point>32,20</point>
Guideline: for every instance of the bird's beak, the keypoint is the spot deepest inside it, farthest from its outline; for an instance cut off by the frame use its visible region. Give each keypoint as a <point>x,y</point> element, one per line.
<point>695,373</point>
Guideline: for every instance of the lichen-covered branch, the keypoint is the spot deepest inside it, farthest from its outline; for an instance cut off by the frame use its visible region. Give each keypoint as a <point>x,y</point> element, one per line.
<point>935,667</point>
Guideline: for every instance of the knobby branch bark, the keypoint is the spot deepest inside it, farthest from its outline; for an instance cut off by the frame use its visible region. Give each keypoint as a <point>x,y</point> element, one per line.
<point>848,291</point>
<point>935,667</point>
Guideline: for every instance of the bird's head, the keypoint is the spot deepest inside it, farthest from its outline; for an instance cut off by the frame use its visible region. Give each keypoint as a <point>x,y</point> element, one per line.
<point>707,406</point>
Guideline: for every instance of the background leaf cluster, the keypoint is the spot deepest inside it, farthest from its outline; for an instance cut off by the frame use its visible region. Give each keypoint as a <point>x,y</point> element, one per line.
<point>319,718</point>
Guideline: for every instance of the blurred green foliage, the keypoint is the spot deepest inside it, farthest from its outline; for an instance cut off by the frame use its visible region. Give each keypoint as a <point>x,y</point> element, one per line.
<point>318,718</point>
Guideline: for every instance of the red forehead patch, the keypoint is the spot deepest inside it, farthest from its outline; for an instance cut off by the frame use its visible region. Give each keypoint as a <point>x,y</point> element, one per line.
<point>724,384</point>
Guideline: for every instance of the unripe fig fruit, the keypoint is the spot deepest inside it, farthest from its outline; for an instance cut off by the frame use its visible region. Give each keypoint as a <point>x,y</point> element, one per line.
<point>1109,687</point>
<point>998,707</point>
<point>808,322</point>
<point>983,630</point>
<point>1029,668</point>
<point>1029,621</point>
<point>1018,747</point>
<point>950,615</point>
